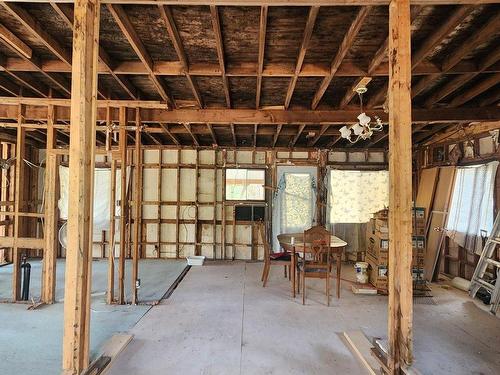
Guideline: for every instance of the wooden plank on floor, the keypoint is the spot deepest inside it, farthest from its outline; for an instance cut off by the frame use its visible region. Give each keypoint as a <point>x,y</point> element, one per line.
<point>361,346</point>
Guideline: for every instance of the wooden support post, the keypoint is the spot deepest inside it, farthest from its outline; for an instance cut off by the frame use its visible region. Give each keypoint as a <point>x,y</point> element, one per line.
<point>197,231</point>
<point>81,182</point>
<point>112,229</point>
<point>51,213</point>
<point>178,208</point>
<point>223,208</point>
<point>400,194</point>
<point>123,203</point>
<point>18,204</point>
<point>158,228</point>
<point>137,206</point>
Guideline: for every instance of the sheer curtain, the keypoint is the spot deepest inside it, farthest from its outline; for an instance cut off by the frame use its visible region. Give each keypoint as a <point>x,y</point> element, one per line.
<point>471,208</point>
<point>352,197</point>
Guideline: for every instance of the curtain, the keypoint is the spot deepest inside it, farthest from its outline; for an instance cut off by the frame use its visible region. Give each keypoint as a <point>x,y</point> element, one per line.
<point>352,197</point>
<point>355,195</point>
<point>297,203</point>
<point>471,208</point>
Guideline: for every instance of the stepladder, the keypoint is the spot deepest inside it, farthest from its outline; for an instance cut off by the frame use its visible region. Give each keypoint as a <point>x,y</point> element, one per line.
<point>487,270</point>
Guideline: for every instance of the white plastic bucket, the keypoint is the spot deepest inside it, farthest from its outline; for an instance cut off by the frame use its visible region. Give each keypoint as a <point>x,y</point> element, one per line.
<point>361,274</point>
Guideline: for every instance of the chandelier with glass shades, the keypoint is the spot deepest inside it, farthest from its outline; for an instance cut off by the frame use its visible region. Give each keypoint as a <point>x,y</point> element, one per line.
<point>364,128</point>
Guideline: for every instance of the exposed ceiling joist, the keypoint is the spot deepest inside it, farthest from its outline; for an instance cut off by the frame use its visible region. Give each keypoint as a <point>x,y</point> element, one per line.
<point>220,52</point>
<point>341,53</point>
<point>262,46</point>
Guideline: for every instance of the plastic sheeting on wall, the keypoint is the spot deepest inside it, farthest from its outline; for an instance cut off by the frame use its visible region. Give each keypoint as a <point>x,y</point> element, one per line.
<point>102,195</point>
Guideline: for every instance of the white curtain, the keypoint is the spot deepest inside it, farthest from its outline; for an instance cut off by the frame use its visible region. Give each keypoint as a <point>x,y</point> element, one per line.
<point>354,195</point>
<point>294,201</point>
<point>471,208</point>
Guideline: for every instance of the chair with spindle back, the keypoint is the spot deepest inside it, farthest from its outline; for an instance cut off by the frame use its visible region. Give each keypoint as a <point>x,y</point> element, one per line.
<point>272,259</point>
<point>318,266</point>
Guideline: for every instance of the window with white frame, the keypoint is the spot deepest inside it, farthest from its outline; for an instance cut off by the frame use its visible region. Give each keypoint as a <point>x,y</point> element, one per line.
<point>245,184</point>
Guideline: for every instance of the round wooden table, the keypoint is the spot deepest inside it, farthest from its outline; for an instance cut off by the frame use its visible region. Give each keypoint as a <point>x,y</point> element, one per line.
<point>294,243</point>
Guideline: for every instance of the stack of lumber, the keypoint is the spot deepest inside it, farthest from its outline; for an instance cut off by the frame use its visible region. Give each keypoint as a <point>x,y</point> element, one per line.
<point>377,247</point>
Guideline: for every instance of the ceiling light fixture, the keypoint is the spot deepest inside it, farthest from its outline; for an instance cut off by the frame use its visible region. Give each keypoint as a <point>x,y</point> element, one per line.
<point>363,129</point>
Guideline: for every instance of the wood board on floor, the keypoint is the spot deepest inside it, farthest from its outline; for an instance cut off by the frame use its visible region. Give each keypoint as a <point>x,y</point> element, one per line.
<point>360,345</point>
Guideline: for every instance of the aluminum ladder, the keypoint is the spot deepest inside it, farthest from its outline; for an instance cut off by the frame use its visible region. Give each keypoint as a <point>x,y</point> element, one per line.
<point>478,281</point>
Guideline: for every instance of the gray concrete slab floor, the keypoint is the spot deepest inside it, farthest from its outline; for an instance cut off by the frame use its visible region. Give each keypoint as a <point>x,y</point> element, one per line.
<point>221,321</point>
<point>31,340</point>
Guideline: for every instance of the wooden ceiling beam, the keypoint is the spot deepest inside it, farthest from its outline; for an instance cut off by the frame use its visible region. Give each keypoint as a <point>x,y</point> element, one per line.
<point>12,40</point>
<point>476,39</point>
<point>36,110</point>
<point>188,128</point>
<point>175,38</point>
<point>262,47</point>
<point>308,30</point>
<point>169,134</point>
<point>277,134</point>
<point>66,13</point>
<point>312,142</point>
<point>233,135</point>
<point>476,90</point>
<point>374,64</point>
<point>297,136</point>
<point>212,134</point>
<point>37,29</point>
<point>135,42</point>
<point>456,82</point>
<point>274,2</point>
<point>427,47</point>
<point>220,52</point>
<point>349,38</point>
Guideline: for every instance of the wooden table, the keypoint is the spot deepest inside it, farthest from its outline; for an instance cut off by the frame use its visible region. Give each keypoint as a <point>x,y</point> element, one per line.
<point>337,246</point>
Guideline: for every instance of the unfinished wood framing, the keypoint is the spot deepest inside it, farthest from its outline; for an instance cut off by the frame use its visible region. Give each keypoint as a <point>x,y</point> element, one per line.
<point>81,177</point>
<point>400,318</point>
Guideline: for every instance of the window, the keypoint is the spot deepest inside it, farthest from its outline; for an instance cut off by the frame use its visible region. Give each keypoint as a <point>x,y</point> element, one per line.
<point>471,208</point>
<point>297,202</point>
<point>245,184</point>
<point>355,195</point>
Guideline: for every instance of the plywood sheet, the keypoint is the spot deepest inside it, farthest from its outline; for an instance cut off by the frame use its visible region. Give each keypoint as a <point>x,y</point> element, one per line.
<point>426,189</point>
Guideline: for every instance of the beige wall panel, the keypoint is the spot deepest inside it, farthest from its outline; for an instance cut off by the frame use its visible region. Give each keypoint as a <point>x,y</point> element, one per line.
<point>376,157</point>
<point>486,145</point>
<point>187,233</point>
<point>242,252</point>
<point>169,156</point>
<point>260,157</point>
<point>187,184</point>
<point>150,156</point>
<point>356,157</point>
<point>186,250</point>
<point>300,155</point>
<point>337,156</point>
<point>168,212</point>
<point>206,185</point>
<point>149,183</point>
<point>229,212</point>
<point>205,213</point>
<point>188,156</point>
<point>151,251</point>
<point>230,156</point>
<point>243,234</point>
<point>169,184</point>
<point>151,232</point>
<point>167,251</point>
<point>187,213</point>
<point>168,233</point>
<point>149,211</point>
<point>207,157</point>
<point>219,185</point>
<point>244,157</point>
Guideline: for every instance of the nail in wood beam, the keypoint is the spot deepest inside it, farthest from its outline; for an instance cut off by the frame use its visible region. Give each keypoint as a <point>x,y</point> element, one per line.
<point>400,317</point>
<point>51,213</point>
<point>81,182</point>
<point>262,46</point>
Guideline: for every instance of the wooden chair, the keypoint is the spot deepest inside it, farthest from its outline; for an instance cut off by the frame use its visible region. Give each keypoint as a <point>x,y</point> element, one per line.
<point>318,266</point>
<point>272,259</point>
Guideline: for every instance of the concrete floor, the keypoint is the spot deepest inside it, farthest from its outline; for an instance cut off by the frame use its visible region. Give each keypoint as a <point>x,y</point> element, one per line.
<point>31,340</point>
<point>221,321</point>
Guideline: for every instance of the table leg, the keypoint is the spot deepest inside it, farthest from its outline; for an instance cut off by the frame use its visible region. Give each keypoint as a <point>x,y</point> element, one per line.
<point>339,265</point>
<point>292,271</point>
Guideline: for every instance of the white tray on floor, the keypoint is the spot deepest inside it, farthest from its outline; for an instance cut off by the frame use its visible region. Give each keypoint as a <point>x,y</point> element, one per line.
<point>195,260</point>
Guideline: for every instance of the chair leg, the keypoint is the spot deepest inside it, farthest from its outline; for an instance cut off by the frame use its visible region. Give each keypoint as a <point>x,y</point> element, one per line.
<point>303,274</point>
<point>266,275</point>
<point>328,289</point>
<point>263,271</point>
<point>339,265</point>
<point>284,270</point>
<point>298,282</point>
<point>289,272</point>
